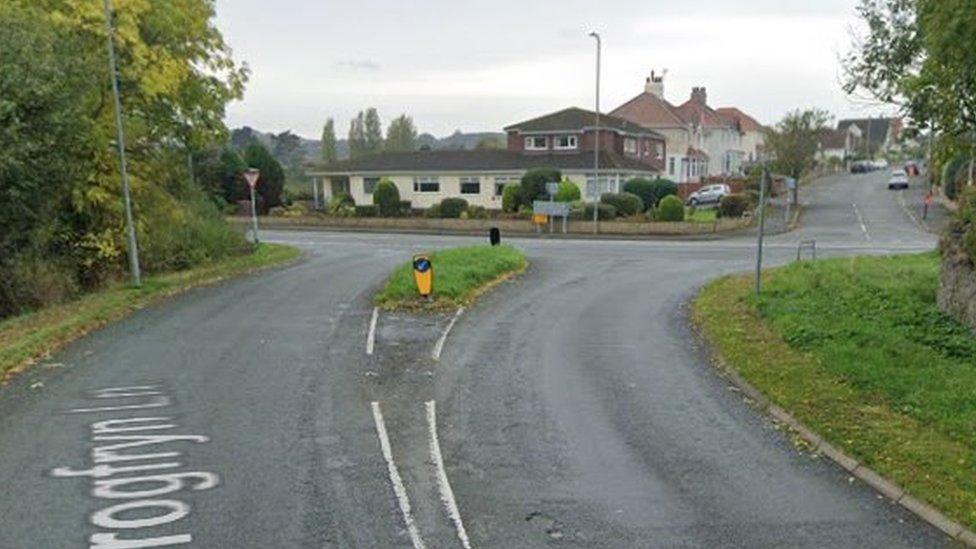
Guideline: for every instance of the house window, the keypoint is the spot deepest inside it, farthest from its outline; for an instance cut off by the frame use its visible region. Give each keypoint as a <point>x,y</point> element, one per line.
<point>470,185</point>
<point>426,184</point>
<point>565,142</point>
<point>369,184</point>
<point>536,144</point>
<point>659,148</point>
<point>671,166</point>
<point>501,181</point>
<point>630,146</point>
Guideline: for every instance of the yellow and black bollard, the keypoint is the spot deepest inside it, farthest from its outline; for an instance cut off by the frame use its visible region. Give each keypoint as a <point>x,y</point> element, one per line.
<point>423,275</point>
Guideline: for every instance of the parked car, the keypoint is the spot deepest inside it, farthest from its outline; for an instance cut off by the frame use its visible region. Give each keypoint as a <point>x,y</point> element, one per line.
<point>899,180</point>
<point>709,194</point>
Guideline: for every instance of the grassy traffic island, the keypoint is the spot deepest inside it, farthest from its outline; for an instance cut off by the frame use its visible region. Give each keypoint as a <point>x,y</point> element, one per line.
<point>857,350</point>
<point>26,338</point>
<point>460,276</point>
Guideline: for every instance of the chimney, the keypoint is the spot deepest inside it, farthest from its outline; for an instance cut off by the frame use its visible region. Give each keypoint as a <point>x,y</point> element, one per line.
<point>699,95</point>
<point>655,85</point>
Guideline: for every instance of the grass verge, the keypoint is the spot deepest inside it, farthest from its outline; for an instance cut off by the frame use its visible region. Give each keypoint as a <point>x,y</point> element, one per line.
<point>701,215</point>
<point>460,275</point>
<point>26,338</point>
<point>857,350</point>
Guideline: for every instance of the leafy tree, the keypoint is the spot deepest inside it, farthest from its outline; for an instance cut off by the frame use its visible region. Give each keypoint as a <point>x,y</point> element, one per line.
<point>568,192</point>
<point>489,143</point>
<point>329,154</point>
<point>272,174</point>
<point>533,185</point>
<point>510,197</point>
<point>287,149</point>
<point>357,136</point>
<point>401,134</point>
<point>793,143</point>
<point>240,138</point>
<point>650,192</point>
<point>372,132</point>
<point>386,197</point>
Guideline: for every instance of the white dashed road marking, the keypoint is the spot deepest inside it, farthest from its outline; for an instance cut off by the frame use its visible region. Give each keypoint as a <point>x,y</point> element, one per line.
<point>371,336</point>
<point>860,220</point>
<point>443,484</point>
<point>398,488</point>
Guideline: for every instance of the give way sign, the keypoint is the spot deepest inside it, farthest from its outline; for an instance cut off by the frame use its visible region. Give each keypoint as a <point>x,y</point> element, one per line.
<point>252,176</point>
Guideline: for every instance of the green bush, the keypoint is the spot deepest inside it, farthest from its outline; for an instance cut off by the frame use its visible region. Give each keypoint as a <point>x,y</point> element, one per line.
<point>433,212</point>
<point>533,186</point>
<point>29,282</point>
<point>371,210</point>
<point>510,198</point>
<point>605,212</point>
<point>626,204</point>
<point>386,197</point>
<point>568,192</point>
<point>451,208</point>
<point>733,205</point>
<point>651,192</point>
<point>405,208</point>
<point>477,212</point>
<point>671,209</point>
<point>340,202</point>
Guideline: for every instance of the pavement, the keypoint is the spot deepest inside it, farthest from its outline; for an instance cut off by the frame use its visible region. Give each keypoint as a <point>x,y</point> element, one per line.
<point>570,407</point>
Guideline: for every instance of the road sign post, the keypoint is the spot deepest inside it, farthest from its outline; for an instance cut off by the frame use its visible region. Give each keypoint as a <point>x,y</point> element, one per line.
<point>762,226</point>
<point>423,275</point>
<point>252,175</point>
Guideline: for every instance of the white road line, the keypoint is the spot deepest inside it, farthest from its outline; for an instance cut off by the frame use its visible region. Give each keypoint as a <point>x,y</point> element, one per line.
<point>860,220</point>
<point>371,336</point>
<point>900,198</point>
<point>439,347</point>
<point>443,484</point>
<point>398,488</point>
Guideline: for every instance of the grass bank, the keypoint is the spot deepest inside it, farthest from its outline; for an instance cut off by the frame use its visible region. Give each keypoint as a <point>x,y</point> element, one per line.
<point>460,275</point>
<point>26,338</point>
<point>857,350</point>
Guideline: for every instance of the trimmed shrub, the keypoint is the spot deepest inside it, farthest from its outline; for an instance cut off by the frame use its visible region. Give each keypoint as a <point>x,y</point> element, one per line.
<point>510,198</point>
<point>451,208</point>
<point>340,202</point>
<point>605,212</point>
<point>477,212</point>
<point>533,186</point>
<point>651,192</point>
<point>386,197</point>
<point>433,212</point>
<point>568,192</point>
<point>371,210</point>
<point>626,204</point>
<point>405,207</point>
<point>733,205</point>
<point>671,209</point>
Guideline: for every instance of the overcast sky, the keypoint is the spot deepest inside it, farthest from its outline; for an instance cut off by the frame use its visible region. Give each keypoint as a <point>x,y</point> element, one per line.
<point>481,65</point>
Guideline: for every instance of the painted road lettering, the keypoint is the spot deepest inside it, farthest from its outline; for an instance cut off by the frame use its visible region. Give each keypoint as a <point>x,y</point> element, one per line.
<point>133,467</point>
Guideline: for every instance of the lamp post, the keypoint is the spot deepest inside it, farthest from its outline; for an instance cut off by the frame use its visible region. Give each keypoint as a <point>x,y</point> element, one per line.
<point>251,176</point>
<point>126,199</point>
<point>763,182</point>
<point>596,142</point>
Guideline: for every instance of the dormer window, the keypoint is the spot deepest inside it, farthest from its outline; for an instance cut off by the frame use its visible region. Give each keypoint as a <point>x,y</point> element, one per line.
<point>565,142</point>
<point>536,143</point>
<point>630,147</point>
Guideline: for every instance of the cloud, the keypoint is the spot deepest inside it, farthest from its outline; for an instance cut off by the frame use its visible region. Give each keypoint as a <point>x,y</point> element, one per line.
<point>358,64</point>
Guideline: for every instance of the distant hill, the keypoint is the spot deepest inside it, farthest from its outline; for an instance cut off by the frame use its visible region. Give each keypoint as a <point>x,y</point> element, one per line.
<point>312,148</point>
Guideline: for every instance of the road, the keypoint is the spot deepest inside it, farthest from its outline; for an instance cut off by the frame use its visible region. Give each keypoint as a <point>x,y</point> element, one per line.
<point>572,407</point>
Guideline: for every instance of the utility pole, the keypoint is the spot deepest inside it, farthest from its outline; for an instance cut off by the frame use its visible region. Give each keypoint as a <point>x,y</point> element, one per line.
<point>127,200</point>
<point>762,225</point>
<point>596,142</point>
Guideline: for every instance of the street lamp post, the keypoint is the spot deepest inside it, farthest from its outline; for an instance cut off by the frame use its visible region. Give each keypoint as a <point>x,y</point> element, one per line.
<point>762,224</point>
<point>126,199</point>
<point>596,142</point>
<point>252,175</point>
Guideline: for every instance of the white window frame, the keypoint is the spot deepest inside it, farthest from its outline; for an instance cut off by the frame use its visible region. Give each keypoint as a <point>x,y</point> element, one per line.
<point>572,143</point>
<point>469,180</point>
<point>421,180</point>
<point>531,146</point>
<point>630,146</point>
<point>501,181</point>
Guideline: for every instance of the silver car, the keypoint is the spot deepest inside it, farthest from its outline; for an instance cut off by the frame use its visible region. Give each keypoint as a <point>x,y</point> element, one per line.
<point>709,194</point>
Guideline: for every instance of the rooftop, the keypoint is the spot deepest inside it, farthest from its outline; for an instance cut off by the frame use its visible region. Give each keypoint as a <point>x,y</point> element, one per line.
<point>575,118</point>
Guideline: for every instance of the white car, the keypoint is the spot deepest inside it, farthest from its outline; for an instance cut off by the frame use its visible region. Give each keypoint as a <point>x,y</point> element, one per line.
<point>899,180</point>
<point>709,194</point>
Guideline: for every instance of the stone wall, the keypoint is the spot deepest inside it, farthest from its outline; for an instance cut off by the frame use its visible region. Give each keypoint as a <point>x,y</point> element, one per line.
<point>957,284</point>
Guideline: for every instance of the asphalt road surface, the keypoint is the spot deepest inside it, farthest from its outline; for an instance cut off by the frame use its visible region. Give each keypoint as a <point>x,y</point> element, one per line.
<point>572,407</point>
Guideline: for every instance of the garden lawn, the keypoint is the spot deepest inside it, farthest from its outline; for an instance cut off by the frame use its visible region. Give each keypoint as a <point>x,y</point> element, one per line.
<point>857,350</point>
<point>460,275</point>
<point>26,338</point>
<point>701,215</point>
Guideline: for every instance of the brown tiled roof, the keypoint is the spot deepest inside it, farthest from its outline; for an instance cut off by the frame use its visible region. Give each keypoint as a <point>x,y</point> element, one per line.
<point>649,111</point>
<point>742,121</point>
<point>575,118</point>
<point>481,160</point>
<point>833,139</point>
<point>695,112</point>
